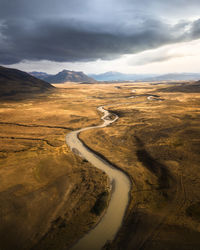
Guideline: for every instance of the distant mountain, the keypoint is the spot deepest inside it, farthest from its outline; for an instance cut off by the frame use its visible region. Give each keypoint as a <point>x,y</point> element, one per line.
<point>40,75</point>
<point>117,76</point>
<point>64,76</point>
<point>177,77</point>
<point>13,81</point>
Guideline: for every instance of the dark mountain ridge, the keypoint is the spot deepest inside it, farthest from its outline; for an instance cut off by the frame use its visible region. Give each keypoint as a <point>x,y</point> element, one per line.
<point>64,76</point>
<point>13,82</point>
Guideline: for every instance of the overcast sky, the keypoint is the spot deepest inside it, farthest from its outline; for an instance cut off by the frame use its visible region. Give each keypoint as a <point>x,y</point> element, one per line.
<point>131,36</point>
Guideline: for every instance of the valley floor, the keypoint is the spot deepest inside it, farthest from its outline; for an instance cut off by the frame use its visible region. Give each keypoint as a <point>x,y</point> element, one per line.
<point>47,193</point>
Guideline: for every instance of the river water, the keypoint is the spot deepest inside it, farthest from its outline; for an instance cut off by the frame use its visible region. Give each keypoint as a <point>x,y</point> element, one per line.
<point>120,183</point>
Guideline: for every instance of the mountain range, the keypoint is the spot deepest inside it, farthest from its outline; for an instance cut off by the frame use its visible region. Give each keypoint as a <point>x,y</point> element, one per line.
<point>117,76</point>
<point>111,76</point>
<point>64,76</point>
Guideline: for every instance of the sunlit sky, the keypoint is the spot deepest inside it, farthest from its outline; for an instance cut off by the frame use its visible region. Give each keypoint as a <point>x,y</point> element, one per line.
<point>96,36</point>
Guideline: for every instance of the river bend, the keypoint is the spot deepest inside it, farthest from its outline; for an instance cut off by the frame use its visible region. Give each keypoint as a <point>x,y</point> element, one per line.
<point>120,183</point>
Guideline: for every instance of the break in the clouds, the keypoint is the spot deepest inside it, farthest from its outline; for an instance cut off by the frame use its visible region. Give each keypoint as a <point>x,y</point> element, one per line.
<point>155,56</point>
<point>77,30</point>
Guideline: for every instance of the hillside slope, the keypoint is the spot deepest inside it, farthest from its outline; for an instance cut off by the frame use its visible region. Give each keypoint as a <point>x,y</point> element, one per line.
<point>189,87</point>
<point>13,81</point>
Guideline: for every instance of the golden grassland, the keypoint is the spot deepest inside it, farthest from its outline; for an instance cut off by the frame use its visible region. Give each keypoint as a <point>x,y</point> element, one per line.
<point>48,194</point>
<point>157,143</point>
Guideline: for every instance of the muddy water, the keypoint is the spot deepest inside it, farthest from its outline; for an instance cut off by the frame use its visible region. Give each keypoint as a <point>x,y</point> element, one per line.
<point>120,186</point>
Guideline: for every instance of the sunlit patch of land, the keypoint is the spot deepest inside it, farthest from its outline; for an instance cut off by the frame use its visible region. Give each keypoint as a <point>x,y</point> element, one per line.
<point>46,192</point>
<point>156,141</point>
<point>46,187</point>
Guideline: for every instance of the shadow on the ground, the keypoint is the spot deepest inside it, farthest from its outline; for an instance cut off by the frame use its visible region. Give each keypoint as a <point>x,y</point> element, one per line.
<point>155,167</point>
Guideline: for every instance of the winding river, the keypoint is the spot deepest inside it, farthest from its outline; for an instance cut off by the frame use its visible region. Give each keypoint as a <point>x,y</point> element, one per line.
<point>110,223</point>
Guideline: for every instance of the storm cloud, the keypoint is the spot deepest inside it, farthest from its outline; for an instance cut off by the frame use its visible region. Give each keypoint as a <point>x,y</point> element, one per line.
<point>75,30</point>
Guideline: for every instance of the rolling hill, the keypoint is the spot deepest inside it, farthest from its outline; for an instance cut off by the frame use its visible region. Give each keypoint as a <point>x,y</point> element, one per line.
<point>13,82</point>
<point>189,87</point>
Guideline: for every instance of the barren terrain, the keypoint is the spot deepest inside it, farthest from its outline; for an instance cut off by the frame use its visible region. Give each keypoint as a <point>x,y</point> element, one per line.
<point>48,193</point>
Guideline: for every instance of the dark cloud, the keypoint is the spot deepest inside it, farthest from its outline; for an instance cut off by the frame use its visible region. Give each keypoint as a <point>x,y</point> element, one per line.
<point>169,9</point>
<point>68,31</point>
<point>195,29</point>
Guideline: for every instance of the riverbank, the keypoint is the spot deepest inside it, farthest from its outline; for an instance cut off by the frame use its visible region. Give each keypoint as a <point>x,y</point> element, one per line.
<point>120,185</point>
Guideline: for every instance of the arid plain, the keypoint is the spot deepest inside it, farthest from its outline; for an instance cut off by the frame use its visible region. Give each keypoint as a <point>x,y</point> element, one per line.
<point>48,193</point>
